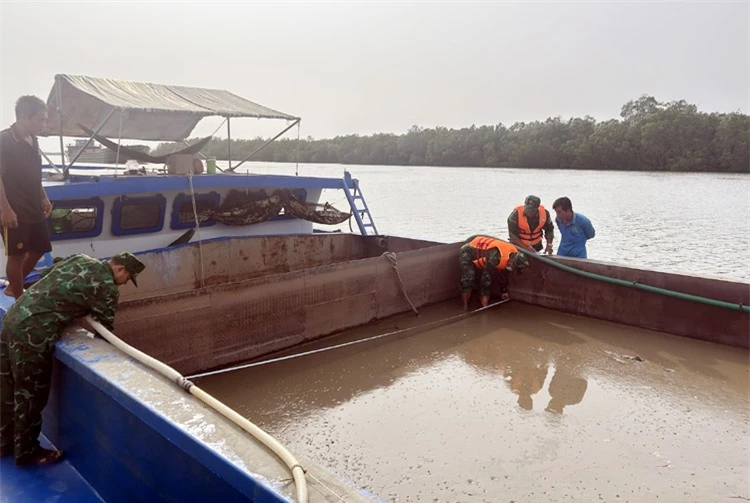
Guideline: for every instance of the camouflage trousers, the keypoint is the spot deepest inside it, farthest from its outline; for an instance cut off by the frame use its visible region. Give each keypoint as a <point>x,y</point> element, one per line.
<point>466,256</point>
<point>25,378</point>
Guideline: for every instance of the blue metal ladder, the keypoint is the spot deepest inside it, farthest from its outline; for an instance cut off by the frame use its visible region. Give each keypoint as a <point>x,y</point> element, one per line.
<point>361,214</point>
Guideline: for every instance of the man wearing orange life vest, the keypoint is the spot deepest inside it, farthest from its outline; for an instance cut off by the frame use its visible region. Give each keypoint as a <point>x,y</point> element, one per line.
<point>527,223</point>
<point>491,256</point>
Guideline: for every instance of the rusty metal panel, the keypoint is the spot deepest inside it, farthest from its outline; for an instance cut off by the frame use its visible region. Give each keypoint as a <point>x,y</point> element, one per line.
<point>429,275</point>
<point>398,244</point>
<point>241,319</point>
<point>329,317</point>
<point>237,259</point>
<point>547,286</point>
<point>172,328</point>
<point>257,318</point>
<point>227,323</point>
<point>331,282</point>
<point>389,296</point>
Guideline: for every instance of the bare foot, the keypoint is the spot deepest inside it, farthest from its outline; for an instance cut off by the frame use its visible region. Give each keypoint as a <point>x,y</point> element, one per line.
<point>41,457</point>
<point>10,293</point>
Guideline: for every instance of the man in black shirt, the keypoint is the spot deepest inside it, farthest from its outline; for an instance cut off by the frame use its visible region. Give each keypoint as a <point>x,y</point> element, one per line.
<point>24,205</point>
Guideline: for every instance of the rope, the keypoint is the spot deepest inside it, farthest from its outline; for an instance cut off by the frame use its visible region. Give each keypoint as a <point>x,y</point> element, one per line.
<point>393,259</point>
<point>316,479</point>
<point>416,328</point>
<point>197,227</point>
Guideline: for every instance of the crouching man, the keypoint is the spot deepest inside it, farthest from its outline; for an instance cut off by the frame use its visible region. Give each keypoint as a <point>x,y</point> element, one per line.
<point>494,258</point>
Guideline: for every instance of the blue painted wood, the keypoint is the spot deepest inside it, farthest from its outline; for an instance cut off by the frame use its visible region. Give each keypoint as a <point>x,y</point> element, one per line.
<point>58,483</point>
<point>129,453</point>
<point>110,186</point>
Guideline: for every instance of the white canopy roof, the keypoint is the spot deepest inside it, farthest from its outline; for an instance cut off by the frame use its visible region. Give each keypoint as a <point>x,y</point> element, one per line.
<point>148,111</point>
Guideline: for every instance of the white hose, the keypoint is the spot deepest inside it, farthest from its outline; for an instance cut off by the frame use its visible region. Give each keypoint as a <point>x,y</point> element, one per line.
<point>282,452</point>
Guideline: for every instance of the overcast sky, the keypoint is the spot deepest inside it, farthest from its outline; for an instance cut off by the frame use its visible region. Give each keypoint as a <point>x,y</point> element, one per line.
<point>383,67</point>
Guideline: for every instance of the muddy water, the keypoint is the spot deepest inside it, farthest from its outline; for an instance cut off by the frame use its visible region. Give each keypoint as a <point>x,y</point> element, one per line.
<point>518,404</point>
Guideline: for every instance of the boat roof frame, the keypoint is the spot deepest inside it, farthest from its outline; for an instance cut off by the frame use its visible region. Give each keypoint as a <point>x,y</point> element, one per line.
<point>109,97</point>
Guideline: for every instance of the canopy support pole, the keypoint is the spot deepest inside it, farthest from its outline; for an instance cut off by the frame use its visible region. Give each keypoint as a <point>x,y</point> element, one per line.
<point>229,144</point>
<point>290,126</point>
<point>119,142</point>
<point>91,138</point>
<point>52,164</point>
<point>200,153</point>
<point>60,116</point>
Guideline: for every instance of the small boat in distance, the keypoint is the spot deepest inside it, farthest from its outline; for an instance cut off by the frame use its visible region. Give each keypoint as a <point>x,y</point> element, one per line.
<point>97,154</point>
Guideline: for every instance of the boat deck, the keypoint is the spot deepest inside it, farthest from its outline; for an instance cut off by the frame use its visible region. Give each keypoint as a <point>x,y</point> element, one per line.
<point>58,483</point>
<point>518,403</point>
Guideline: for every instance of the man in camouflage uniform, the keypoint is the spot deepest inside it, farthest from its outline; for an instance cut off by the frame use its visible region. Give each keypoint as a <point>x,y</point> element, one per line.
<point>531,212</point>
<point>494,258</point>
<point>73,288</point>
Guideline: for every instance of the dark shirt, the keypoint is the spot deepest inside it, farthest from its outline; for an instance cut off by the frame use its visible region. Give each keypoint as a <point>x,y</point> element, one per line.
<point>21,172</point>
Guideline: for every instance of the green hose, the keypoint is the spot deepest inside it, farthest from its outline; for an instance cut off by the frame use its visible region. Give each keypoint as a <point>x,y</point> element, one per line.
<point>639,286</point>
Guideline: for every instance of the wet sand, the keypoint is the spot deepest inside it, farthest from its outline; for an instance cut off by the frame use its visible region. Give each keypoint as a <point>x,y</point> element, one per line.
<point>518,403</point>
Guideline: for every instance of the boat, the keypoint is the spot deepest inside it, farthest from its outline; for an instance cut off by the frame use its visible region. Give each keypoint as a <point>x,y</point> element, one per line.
<point>84,151</point>
<point>237,273</point>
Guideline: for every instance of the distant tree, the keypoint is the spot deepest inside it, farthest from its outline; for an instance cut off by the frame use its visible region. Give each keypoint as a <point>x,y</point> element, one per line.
<point>650,135</point>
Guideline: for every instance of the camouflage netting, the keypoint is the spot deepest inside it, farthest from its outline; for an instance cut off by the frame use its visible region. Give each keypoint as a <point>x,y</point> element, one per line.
<point>240,208</point>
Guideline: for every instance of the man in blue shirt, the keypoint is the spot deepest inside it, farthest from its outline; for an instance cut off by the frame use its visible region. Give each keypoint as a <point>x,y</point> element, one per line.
<point>575,229</point>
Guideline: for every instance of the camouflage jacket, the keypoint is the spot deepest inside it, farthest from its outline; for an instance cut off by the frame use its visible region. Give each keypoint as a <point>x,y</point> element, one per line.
<point>549,226</point>
<point>72,288</point>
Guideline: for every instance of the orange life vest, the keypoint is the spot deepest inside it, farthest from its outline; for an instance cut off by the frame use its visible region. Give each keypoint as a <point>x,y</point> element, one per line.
<point>528,237</point>
<point>482,244</point>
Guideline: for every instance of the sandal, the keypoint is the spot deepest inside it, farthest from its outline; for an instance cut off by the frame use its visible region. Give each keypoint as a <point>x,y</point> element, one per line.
<point>41,457</point>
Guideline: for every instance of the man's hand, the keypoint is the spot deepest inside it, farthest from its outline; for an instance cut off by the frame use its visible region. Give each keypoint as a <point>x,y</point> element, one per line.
<point>504,296</point>
<point>8,218</point>
<point>46,207</point>
<point>548,250</point>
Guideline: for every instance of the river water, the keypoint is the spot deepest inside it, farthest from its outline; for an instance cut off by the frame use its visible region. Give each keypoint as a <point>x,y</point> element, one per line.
<point>695,224</point>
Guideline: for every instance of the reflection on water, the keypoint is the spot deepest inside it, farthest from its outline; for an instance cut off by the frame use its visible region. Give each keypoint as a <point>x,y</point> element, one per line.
<point>527,373</point>
<point>565,389</point>
<point>518,403</point>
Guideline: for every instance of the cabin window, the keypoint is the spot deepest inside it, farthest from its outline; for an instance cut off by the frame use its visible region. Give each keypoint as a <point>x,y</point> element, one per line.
<point>74,219</point>
<point>182,209</point>
<point>138,215</point>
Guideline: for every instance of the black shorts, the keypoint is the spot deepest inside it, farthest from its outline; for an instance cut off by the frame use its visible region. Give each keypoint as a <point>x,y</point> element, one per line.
<point>27,237</point>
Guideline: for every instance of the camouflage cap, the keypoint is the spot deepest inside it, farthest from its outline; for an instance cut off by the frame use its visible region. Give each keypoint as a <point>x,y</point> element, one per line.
<point>532,203</point>
<point>131,263</point>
